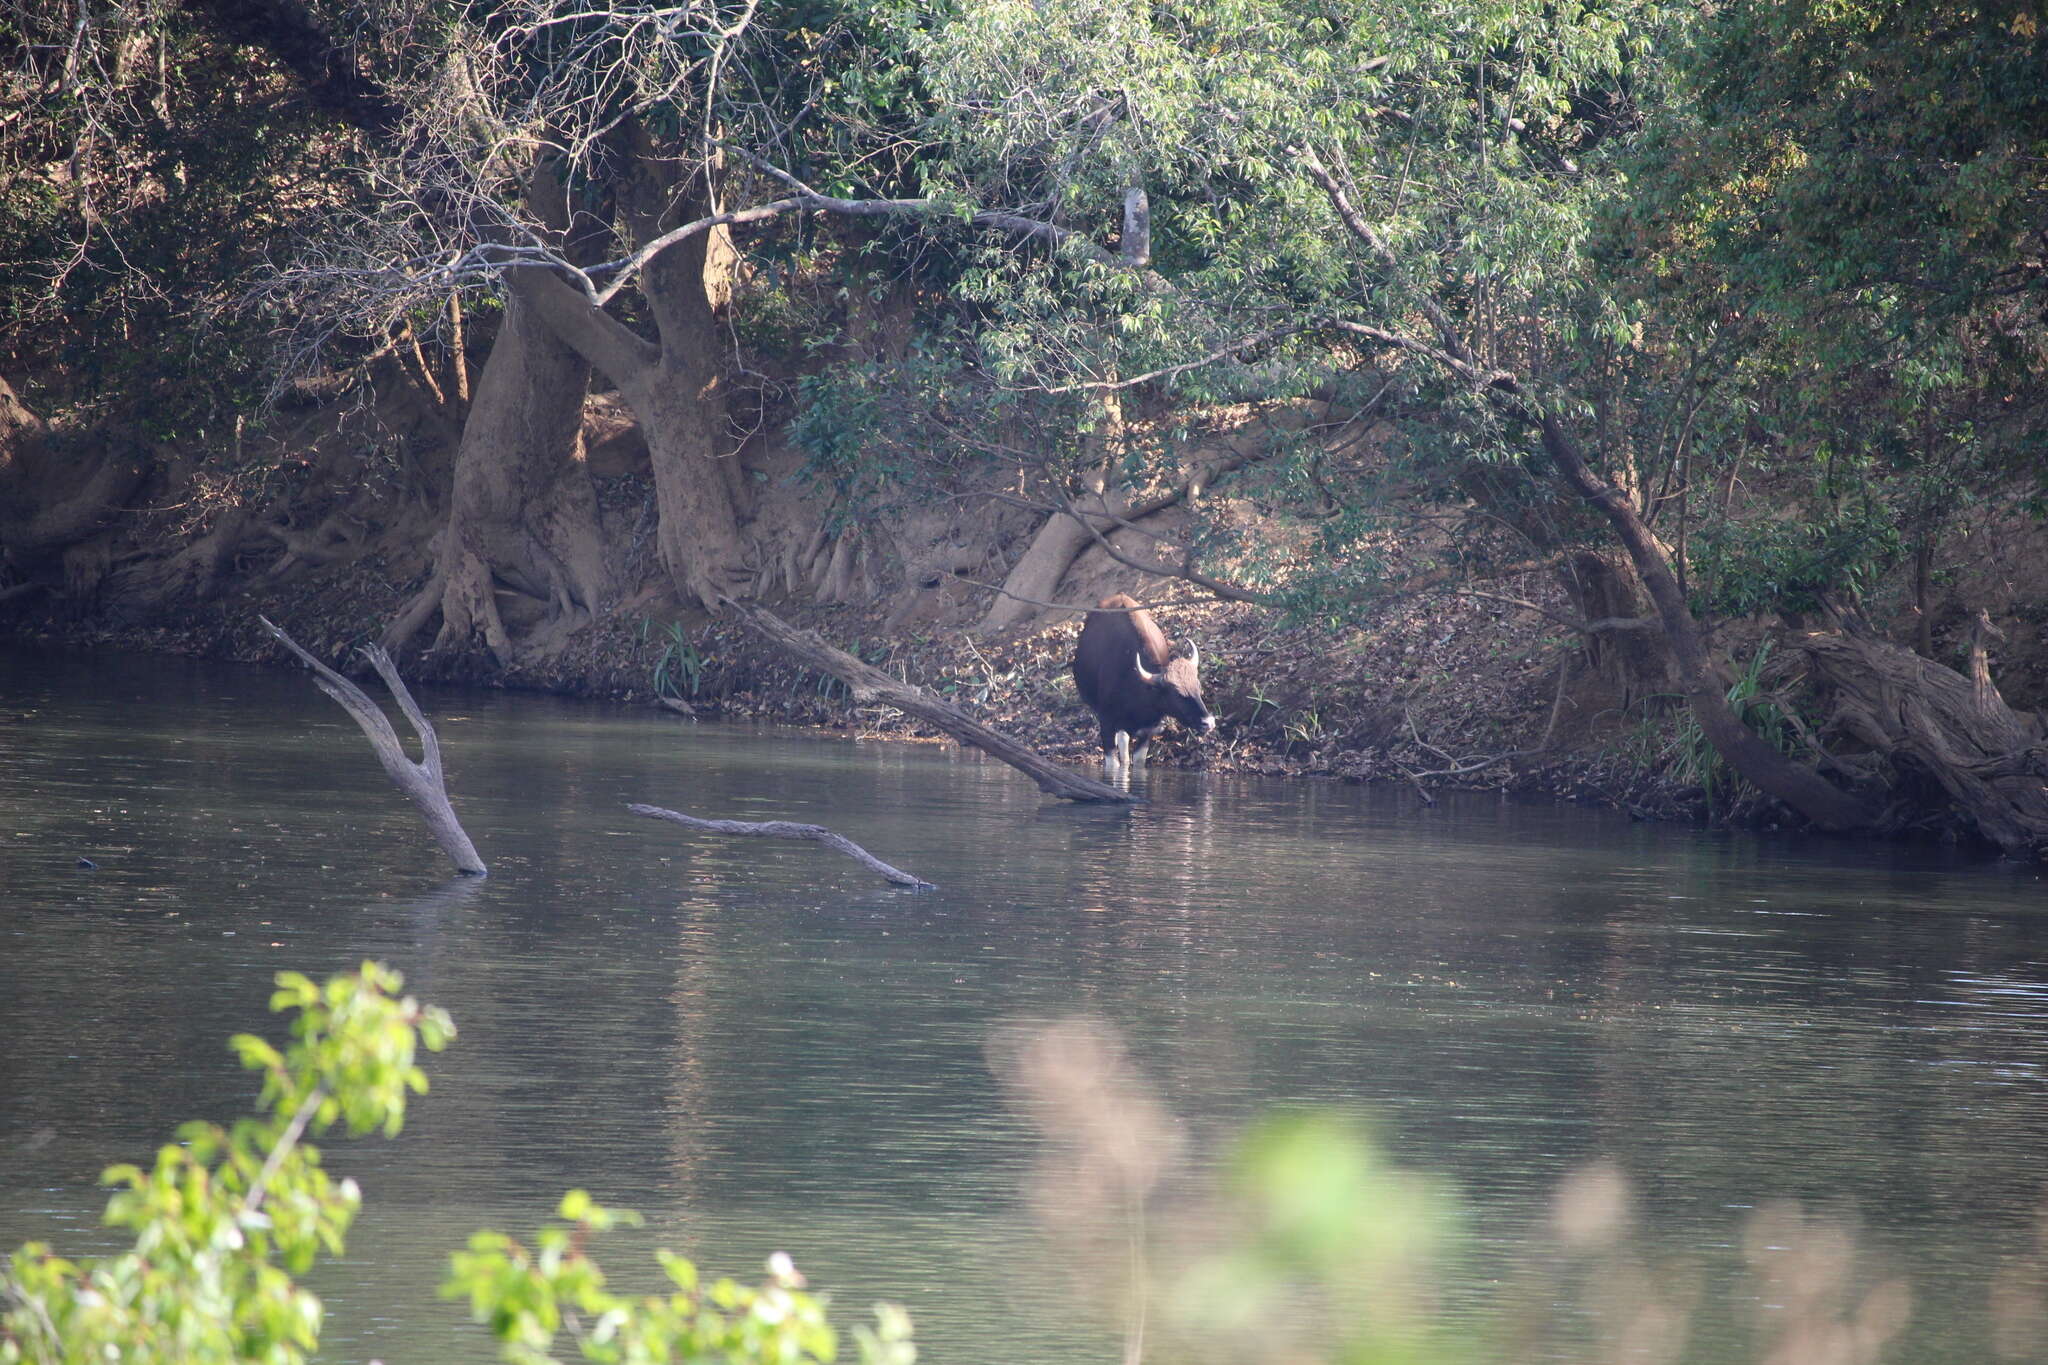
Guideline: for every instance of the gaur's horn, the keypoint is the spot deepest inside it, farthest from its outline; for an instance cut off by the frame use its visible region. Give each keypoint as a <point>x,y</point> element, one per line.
<point>1194,655</point>
<point>1144,674</point>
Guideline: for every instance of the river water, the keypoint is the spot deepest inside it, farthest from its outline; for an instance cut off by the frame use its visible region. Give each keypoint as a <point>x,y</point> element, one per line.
<point>761,1047</point>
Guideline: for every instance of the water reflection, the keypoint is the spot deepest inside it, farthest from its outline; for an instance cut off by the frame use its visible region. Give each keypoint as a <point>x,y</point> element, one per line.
<point>763,1048</point>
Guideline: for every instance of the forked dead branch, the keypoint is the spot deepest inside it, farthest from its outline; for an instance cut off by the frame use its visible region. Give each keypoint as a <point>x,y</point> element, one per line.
<point>422,782</point>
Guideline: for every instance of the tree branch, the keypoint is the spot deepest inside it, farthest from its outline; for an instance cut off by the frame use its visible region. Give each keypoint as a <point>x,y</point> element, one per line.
<point>423,782</point>
<point>623,354</point>
<point>1447,332</point>
<point>869,683</point>
<point>784,829</point>
<point>629,266</point>
<point>1166,372</point>
<point>294,1130</point>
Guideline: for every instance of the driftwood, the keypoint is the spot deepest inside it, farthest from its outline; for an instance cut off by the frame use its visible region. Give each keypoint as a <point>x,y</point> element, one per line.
<point>422,782</point>
<point>784,829</point>
<point>869,683</point>
<point>1991,759</point>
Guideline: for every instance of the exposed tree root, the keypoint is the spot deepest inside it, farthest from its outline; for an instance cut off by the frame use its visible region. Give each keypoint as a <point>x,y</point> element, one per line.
<point>55,493</point>
<point>194,573</point>
<point>1990,759</point>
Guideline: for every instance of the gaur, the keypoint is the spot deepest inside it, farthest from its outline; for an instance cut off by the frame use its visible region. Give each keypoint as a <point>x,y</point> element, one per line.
<point>1127,674</point>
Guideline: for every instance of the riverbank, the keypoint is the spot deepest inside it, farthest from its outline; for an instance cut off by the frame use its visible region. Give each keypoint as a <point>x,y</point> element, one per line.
<point>1448,694</point>
<point>1454,688</point>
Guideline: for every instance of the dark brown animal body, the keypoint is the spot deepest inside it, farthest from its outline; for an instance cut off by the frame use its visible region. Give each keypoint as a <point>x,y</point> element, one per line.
<point>1127,674</point>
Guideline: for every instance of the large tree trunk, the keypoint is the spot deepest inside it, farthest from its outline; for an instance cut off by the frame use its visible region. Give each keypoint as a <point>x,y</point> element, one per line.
<point>677,388</point>
<point>682,416</point>
<point>1036,576</point>
<point>1089,519</point>
<point>522,511</point>
<point>1631,664</point>
<point>689,445</point>
<point>700,486</point>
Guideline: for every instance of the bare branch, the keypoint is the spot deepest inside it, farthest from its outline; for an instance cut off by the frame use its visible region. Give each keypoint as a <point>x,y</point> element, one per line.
<point>1224,352</point>
<point>1605,625</point>
<point>784,829</point>
<point>422,783</point>
<point>1464,368</point>
<point>869,683</point>
<point>630,266</point>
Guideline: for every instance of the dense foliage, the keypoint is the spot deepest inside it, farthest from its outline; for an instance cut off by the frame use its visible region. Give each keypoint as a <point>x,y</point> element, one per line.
<point>1842,213</point>
<point>1731,312</point>
<point>1757,240</point>
<point>147,170</point>
<point>226,1217</point>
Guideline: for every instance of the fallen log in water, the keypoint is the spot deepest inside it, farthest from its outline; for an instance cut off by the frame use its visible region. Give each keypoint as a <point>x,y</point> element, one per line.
<point>784,829</point>
<point>869,683</point>
<point>422,782</point>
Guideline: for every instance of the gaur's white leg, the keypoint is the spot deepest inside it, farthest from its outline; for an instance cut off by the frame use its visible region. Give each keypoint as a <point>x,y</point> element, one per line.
<point>1138,754</point>
<point>1123,755</point>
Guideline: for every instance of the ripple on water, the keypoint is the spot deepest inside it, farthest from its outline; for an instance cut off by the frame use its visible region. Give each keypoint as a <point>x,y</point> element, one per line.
<point>763,1048</point>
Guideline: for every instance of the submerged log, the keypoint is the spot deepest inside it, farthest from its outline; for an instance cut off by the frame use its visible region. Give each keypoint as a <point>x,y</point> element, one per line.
<point>784,829</point>
<point>1990,759</point>
<point>422,782</point>
<point>869,683</point>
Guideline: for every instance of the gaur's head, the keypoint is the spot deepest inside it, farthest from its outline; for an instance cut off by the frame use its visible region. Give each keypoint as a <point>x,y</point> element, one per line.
<point>1178,689</point>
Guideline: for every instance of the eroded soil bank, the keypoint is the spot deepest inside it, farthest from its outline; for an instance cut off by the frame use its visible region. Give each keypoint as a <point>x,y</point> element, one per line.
<point>1469,689</point>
